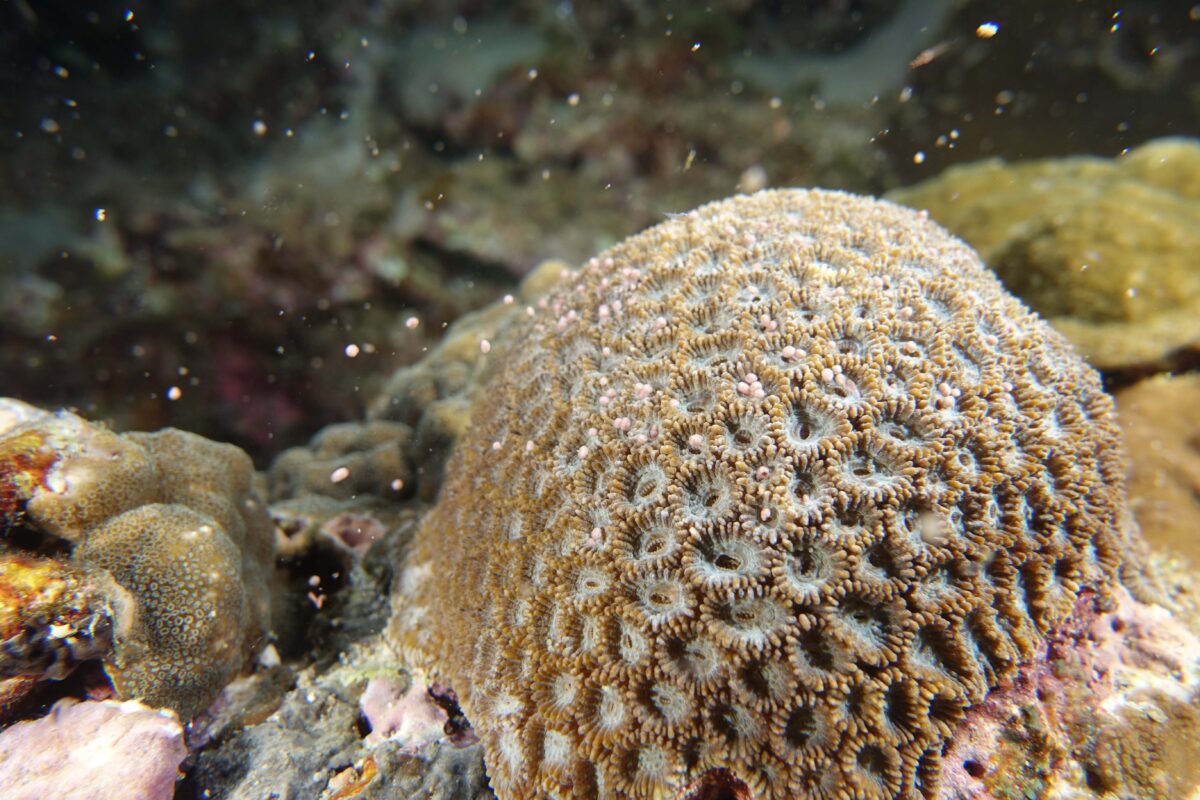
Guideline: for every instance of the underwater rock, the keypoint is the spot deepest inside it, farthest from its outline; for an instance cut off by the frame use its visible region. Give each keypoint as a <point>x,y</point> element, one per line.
<point>1160,418</point>
<point>302,750</point>
<point>80,751</point>
<point>763,499</point>
<point>165,526</point>
<point>1106,249</point>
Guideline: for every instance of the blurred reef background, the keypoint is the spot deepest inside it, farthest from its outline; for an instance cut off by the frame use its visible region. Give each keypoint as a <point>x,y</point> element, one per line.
<point>297,228</point>
<point>221,198</point>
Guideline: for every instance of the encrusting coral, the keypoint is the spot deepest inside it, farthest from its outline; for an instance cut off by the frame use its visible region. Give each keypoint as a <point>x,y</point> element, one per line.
<point>757,504</point>
<point>165,526</point>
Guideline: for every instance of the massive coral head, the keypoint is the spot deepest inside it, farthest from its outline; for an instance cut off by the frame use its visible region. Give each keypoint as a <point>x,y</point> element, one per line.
<point>758,504</point>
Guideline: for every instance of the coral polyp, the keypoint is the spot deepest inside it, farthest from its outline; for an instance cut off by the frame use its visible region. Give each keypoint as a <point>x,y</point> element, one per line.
<point>766,496</point>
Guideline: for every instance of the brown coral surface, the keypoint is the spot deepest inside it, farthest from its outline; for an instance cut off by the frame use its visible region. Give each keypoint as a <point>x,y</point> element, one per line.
<point>1161,424</point>
<point>759,502</point>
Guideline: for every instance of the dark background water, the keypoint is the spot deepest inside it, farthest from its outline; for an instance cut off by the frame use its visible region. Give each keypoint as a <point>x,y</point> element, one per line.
<point>221,215</point>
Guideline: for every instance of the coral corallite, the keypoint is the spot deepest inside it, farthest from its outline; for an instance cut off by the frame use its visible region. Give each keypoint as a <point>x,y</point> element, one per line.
<point>757,504</point>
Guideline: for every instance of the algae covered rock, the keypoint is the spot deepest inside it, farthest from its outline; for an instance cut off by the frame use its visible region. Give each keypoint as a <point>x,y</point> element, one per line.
<point>165,526</point>
<point>1106,249</point>
<point>760,503</point>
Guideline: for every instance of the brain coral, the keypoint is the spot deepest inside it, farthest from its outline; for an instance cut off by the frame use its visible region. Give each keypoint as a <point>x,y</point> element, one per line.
<point>757,504</point>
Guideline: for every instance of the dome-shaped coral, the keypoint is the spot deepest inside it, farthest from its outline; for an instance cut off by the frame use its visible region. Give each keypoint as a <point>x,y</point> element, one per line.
<point>759,502</point>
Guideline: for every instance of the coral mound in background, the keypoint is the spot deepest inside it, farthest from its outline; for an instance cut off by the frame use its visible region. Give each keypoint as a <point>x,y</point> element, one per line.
<point>759,503</point>
<point>1104,248</point>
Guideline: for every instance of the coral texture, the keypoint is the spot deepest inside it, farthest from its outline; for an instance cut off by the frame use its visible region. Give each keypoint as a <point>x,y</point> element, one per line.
<point>757,504</point>
<point>1104,248</point>
<point>345,461</point>
<point>166,526</point>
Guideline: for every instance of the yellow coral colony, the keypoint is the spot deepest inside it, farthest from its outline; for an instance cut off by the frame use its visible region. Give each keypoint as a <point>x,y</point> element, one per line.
<point>759,502</point>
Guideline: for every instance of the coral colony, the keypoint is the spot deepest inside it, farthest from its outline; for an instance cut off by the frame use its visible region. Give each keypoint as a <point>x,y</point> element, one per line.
<point>760,502</point>
<point>785,497</point>
<point>166,524</point>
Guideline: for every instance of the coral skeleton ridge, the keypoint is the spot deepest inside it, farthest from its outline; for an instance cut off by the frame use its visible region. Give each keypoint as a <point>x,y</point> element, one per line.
<point>763,498</point>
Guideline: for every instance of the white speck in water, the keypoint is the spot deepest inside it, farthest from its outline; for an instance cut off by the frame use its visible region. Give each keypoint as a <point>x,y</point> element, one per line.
<point>338,475</point>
